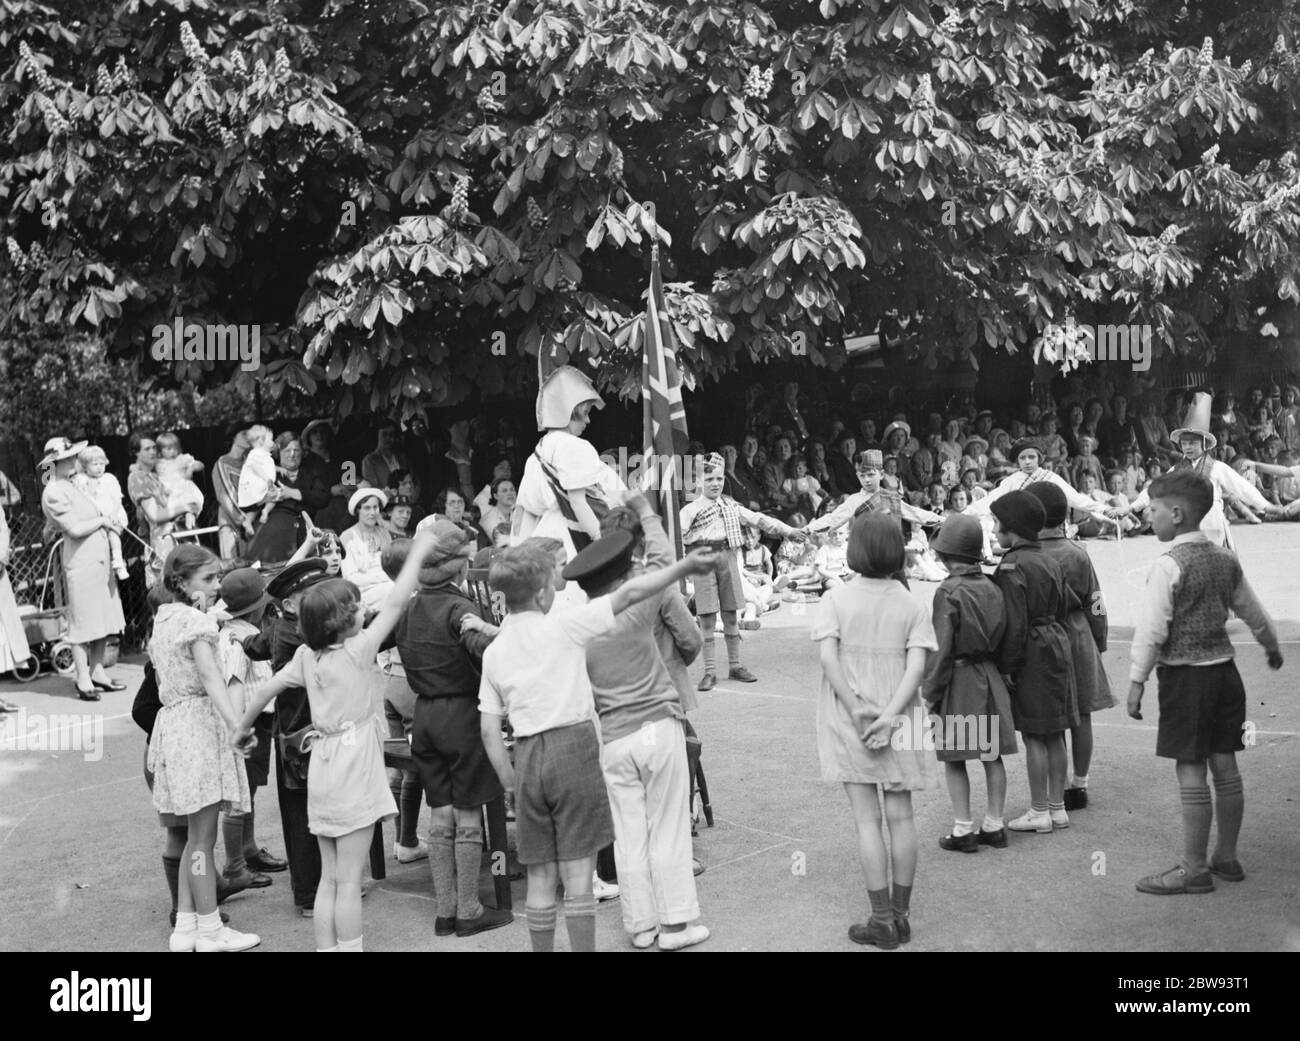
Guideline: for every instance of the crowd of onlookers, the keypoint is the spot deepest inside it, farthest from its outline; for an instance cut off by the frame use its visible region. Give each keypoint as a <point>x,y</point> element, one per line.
<point>1105,443</point>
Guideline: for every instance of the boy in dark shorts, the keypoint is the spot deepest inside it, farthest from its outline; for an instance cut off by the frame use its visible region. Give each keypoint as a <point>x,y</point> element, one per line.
<point>1182,626</point>
<point>535,671</point>
<point>441,642</point>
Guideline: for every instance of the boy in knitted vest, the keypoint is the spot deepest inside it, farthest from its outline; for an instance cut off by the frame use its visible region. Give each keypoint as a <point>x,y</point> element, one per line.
<point>1182,626</point>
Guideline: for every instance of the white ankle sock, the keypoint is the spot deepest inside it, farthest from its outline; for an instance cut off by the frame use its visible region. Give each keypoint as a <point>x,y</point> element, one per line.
<point>209,924</point>
<point>328,950</point>
<point>1079,782</point>
<point>187,921</point>
<point>992,823</point>
<point>960,828</point>
<point>350,946</point>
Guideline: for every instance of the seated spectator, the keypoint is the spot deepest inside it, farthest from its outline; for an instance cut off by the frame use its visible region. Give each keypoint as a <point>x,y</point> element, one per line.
<point>364,544</point>
<point>1115,496</point>
<point>972,481</point>
<point>841,464</point>
<point>950,447</point>
<point>378,466</point>
<point>830,561</point>
<point>398,517</point>
<point>1054,454</point>
<point>501,505</point>
<point>1088,525</point>
<point>795,559</point>
<point>818,469</point>
<point>805,491</point>
<point>500,540</point>
<point>957,500</point>
<point>1086,464</point>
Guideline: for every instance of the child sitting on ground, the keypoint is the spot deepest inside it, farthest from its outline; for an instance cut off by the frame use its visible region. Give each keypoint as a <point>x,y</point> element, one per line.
<point>175,470</point>
<point>795,560</point>
<point>1183,628</point>
<point>1115,497</point>
<point>831,561</point>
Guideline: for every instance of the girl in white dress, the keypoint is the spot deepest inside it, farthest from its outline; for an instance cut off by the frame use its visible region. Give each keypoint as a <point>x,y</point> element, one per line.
<point>347,785</point>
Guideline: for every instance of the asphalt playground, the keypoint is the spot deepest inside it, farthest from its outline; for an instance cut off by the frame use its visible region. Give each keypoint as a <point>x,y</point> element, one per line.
<point>80,846</point>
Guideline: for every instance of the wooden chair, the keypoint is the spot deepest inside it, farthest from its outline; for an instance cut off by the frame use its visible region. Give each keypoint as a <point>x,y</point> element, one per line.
<point>476,581</point>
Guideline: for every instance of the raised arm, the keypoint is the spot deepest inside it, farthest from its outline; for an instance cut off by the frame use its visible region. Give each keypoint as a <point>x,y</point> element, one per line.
<point>390,611</point>
<point>697,562</point>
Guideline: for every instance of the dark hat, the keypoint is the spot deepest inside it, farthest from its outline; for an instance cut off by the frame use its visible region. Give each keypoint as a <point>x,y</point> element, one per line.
<point>1053,500</point>
<point>960,536</point>
<point>399,500</point>
<point>1025,444</point>
<point>1021,513</point>
<point>297,577</point>
<point>243,591</point>
<point>604,560</point>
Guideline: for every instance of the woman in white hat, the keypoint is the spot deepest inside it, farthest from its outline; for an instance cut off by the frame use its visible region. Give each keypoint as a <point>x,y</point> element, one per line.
<point>94,607</point>
<point>564,483</point>
<point>1196,442</point>
<point>364,544</point>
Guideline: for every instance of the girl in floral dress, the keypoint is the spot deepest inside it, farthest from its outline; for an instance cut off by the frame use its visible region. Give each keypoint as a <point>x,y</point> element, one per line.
<point>196,772</point>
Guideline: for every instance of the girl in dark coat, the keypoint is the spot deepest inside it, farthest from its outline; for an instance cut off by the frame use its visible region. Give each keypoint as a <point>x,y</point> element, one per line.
<point>962,685</point>
<point>1036,657</point>
<point>1087,630</point>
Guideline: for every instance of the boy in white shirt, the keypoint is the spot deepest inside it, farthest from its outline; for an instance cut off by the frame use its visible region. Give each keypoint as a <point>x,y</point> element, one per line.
<point>535,672</point>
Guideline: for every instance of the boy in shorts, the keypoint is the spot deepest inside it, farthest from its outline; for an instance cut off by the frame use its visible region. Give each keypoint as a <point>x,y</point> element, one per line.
<point>535,672</point>
<point>1182,626</point>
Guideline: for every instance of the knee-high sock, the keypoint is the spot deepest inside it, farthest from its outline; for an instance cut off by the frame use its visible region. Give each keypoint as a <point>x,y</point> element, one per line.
<point>541,928</point>
<point>250,832</point>
<point>1229,806</point>
<point>1197,814</point>
<point>707,624</point>
<point>580,920</point>
<point>469,856</point>
<point>731,634</point>
<point>172,870</point>
<point>408,805</point>
<point>232,834</point>
<point>442,862</point>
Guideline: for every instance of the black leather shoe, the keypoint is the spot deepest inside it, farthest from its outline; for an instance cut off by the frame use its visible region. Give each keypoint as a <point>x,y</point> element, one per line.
<point>263,861</point>
<point>960,843</point>
<point>742,675</point>
<point>444,926</point>
<point>903,927</point>
<point>110,685</point>
<point>491,918</point>
<point>707,681</point>
<point>87,695</point>
<point>1076,798</point>
<point>878,934</point>
<point>996,839</point>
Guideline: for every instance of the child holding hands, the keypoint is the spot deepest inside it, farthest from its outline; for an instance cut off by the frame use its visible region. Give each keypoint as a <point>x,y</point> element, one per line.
<point>873,639</point>
<point>347,786</point>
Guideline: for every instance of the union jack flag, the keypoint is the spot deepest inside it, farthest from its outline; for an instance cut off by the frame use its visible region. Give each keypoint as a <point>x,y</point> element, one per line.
<point>663,414</point>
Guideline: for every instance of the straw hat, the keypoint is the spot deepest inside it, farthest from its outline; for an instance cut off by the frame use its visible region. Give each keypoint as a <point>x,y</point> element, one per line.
<point>897,424</point>
<point>361,494</point>
<point>1197,421</point>
<point>60,448</point>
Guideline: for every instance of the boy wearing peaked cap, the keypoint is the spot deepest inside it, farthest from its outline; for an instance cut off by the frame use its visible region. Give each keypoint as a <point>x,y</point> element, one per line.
<point>1036,656</point>
<point>1087,629</point>
<point>644,755</point>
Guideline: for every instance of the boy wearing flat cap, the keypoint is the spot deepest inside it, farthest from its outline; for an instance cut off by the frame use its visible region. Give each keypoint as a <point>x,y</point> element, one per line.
<point>1036,656</point>
<point>535,672</point>
<point>441,641</point>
